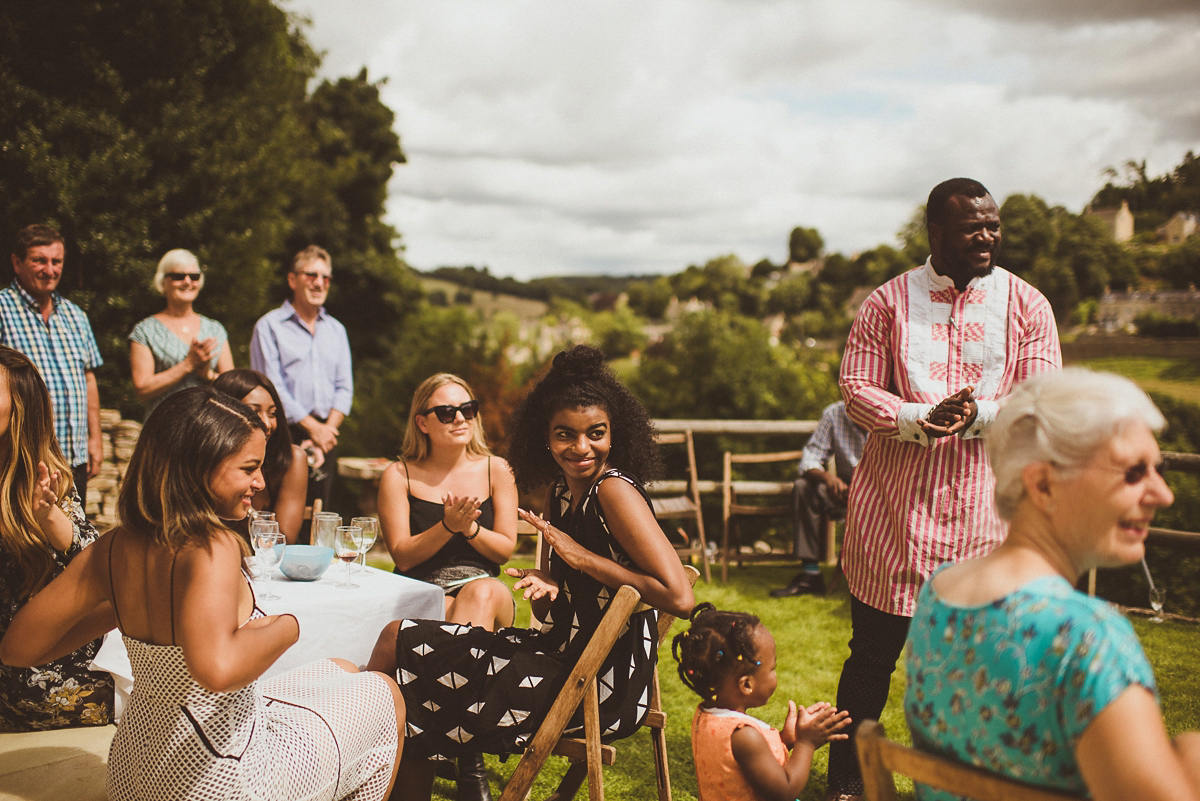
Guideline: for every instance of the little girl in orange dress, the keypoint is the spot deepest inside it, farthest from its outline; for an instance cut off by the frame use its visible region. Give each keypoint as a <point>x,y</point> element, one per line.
<point>728,659</point>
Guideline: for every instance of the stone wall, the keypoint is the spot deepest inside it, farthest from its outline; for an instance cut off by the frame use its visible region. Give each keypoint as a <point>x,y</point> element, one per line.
<point>119,439</point>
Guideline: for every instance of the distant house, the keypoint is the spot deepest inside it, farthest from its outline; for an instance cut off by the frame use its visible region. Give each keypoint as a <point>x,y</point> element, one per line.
<point>1119,222</point>
<point>1181,225</point>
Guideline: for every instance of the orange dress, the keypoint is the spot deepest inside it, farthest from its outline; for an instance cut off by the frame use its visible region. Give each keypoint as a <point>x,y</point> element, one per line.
<point>717,773</point>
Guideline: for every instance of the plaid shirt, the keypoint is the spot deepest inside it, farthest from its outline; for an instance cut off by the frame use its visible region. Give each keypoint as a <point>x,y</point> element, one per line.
<point>63,349</point>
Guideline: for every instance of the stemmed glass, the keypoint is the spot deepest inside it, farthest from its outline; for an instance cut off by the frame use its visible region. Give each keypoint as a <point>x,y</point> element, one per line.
<point>370,532</point>
<point>1157,596</point>
<point>347,542</point>
<point>265,535</point>
<point>324,524</point>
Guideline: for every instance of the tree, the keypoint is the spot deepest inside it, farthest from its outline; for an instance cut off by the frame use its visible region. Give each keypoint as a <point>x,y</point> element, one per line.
<point>650,298</point>
<point>804,244</point>
<point>1028,231</point>
<point>1181,265</point>
<point>720,365</point>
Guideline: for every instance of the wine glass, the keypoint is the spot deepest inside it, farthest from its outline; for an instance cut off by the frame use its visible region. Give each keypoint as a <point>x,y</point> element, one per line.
<point>346,544</point>
<point>265,516</point>
<point>324,525</point>
<point>1157,598</point>
<point>370,532</point>
<point>265,535</point>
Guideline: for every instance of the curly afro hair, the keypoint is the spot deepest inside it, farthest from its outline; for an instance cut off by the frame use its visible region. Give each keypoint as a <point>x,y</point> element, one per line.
<point>579,378</point>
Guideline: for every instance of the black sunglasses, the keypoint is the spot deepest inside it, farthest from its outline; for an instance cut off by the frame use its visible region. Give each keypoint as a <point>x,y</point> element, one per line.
<point>181,276</point>
<point>447,413</point>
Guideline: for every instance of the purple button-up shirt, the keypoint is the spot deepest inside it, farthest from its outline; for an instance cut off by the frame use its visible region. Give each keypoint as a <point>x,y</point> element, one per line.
<point>310,370</point>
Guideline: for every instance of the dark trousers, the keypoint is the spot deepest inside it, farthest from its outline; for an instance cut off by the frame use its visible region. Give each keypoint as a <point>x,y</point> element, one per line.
<point>876,641</point>
<point>79,474</point>
<point>810,502</point>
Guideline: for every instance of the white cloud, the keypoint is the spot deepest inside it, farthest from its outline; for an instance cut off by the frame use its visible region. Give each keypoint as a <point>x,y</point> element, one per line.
<point>643,135</point>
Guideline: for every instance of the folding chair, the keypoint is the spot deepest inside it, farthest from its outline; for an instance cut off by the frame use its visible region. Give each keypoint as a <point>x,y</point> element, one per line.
<point>588,754</point>
<point>685,506</point>
<point>733,502</point>
<point>879,757</point>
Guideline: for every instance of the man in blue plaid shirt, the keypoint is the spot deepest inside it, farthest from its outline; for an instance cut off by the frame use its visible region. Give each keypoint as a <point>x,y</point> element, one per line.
<point>56,336</point>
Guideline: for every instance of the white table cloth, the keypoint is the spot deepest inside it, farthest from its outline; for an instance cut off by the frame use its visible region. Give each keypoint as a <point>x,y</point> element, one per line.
<point>334,622</point>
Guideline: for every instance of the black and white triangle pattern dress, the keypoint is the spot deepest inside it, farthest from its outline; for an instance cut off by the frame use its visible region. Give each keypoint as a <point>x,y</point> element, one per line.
<point>315,732</point>
<point>467,689</point>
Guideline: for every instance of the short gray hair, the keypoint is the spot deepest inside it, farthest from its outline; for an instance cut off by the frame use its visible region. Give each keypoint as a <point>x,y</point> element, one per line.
<point>1061,417</point>
<point>172,262</point>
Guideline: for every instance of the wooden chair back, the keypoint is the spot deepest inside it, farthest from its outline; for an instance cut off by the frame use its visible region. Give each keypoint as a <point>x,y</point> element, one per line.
<point>685,505</point>
<point>588,754</point>
<point>734,502</point>
<point>879,758</point>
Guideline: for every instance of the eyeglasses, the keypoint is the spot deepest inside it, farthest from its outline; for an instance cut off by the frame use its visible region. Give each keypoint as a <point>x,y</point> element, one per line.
<point>1135,474</point>
<point>177,277</point>
<point>315,277</point>
<point>447,413</point>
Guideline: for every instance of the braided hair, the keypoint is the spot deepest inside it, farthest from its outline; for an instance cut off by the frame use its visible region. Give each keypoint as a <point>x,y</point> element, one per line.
<point>717,646</point>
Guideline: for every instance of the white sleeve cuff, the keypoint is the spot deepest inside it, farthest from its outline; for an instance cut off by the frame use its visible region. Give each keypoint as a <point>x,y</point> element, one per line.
<point>985,414</point>
<point>906,423</point>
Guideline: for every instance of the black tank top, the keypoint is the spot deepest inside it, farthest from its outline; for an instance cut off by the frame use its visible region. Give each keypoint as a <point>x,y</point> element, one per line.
<point>457,552</point>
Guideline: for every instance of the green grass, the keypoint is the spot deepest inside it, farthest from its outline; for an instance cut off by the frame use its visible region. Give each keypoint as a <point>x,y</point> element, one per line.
<point>1179,378</point>
<point>811,636</point>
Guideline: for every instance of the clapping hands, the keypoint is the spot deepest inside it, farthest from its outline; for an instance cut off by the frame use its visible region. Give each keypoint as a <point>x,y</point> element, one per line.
<point>816,724</point>
<point>950,416</point>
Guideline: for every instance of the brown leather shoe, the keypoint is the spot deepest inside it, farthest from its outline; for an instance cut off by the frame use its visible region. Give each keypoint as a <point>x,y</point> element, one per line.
<point>834,795</point>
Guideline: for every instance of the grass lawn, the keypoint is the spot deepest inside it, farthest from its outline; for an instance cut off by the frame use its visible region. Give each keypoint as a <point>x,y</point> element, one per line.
<point>1179,378</point>
<point>811,635</point>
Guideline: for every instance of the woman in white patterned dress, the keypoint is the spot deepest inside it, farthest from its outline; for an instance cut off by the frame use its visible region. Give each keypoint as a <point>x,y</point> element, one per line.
<point>199,724</point>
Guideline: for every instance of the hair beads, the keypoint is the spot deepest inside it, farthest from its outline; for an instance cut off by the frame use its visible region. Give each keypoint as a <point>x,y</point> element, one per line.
<point>718,644</point>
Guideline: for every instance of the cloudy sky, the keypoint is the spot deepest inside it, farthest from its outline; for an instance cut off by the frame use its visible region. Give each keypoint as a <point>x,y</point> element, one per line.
<point>554,137</point>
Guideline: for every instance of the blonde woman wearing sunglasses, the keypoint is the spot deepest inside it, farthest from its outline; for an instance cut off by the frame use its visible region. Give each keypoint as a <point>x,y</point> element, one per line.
<point>176,348</point>
<point>448,513</point>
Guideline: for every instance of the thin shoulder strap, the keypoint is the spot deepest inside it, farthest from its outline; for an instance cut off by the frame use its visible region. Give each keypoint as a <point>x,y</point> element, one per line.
<point>112,593</point>
<point>174,557</point>
<point>489,475</point>
<point>407,476</point>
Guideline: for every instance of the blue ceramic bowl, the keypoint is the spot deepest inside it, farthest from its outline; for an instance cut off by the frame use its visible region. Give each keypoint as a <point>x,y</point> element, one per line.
<point>305,562</point>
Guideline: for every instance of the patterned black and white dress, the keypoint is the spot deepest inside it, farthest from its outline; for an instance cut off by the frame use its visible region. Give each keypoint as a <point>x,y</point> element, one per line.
<point>467,689</point>
<point>315,732</point>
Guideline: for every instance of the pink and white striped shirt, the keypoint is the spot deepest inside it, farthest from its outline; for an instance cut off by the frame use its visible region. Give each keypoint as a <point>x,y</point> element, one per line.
<point>916,503</point>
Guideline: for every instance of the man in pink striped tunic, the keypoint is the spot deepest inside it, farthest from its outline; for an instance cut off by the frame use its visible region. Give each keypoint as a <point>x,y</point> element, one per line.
<point>930,356</point>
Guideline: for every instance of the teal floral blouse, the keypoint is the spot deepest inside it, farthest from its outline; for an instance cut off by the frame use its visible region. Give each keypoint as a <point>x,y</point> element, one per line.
<point>65,692</point>
<point>1010,686</point>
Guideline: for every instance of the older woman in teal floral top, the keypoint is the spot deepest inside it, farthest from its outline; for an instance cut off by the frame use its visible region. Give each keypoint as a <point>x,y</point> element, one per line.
<point>1010,669</point>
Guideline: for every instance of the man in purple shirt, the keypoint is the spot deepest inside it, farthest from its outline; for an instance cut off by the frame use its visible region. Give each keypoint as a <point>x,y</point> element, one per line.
<point>305,353</point>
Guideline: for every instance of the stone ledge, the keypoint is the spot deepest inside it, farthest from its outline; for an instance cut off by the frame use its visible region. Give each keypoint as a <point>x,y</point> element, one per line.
<point>55,765</point>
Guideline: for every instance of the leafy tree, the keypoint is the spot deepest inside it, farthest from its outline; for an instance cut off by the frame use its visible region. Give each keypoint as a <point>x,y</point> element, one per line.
<point>619,332</point>
<point>720,365</point>
<point>763,269</point>
<point>804,244</point>
<point>1028,231</point>
<point>1181,265</point>
<point>791,295</point>
<point>650,298</point>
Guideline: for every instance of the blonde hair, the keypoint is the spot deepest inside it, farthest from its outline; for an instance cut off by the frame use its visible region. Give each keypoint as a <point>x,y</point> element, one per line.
<point>171,262</point>
<point>416,442</point>
<point>29,440</point>
<point>1061,417</point>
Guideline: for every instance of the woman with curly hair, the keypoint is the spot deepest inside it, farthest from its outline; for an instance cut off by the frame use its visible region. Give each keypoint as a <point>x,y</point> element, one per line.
<point>42,528</point>
<point>468,689</point>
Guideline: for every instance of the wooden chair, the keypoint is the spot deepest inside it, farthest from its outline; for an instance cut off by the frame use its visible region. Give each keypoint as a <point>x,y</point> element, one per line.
<point>685,506</point>
<point>588,754</point>
<point>879,758</point>
<point>734,495</point>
